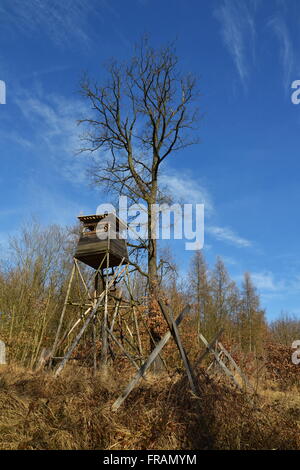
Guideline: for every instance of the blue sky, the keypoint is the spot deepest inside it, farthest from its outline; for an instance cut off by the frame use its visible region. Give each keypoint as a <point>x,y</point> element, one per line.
<point>246,169</point>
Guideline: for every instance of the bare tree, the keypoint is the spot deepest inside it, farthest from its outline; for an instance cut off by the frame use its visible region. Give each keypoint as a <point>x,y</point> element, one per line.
<point>140,116</point>
<point>199,290</point>
<point>32,289</point>
<point>252,316</point>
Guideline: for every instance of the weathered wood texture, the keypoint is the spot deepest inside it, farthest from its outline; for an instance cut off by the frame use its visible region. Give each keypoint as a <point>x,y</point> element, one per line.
<point>236,367</point>
<point>206,351</point>
<point>101,234</point>
<point>220,362</point>
<point>91,250</point>
<point>2,353</point>
<point>175,333</point>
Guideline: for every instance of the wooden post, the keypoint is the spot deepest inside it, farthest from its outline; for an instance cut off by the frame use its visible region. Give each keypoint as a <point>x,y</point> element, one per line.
<point>94,326</point>
<point>150,334</point>
<point>207,349</point>
<point>219,361</point>
<point>213,362</point>
<point>78,337</point>
<point>141,372</point>
<point>85,325</point>
<point>2,353</point>
<point>137,331</point>
<point>82,317</point>
<point>237,368</point>
<point>175,333</point>
<point>118,301</point>
<point>104,346</point>
<point>54,347</point>
<point>82,280</point>
<point>128,284</point>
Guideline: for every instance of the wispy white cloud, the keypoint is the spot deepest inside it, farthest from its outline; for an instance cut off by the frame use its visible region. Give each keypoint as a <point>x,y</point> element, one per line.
<point>286,48</point>
<point>228,235</point>
<point>15,137</point>
<point>237,19</point>
<point>55,133</point>
<point>36,74</point>
<point>229,260</point>
<point>61,21</point>
<point>272,286</point>
<point>184,188</point>
<point>265,281</point>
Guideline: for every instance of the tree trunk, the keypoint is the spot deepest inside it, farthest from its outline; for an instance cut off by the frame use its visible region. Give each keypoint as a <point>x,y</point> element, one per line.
<point>155,316</point>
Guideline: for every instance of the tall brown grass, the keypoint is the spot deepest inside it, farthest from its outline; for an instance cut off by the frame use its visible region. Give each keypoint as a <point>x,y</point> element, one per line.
<point>38,411</point>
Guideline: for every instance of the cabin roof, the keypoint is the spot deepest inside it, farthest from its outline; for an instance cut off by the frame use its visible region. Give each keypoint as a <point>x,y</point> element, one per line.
<point>99,217</point>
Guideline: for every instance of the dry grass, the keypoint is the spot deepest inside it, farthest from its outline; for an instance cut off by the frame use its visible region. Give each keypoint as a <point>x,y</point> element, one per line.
<point>71,412</point>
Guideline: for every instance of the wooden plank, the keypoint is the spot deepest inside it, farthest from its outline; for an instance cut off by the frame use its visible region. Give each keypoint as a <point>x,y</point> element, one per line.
<point>56,340</point>
<point>115,314</point>
<point>95,245</point>
<point>213,362</point>
<point>148,363</point>
<point>175,333</point>
<point>153,341</point>
<point>86,323</point>
<point>207,350</point>
<point>122,349</point>
<point>79,320</point>
<point>137,331</point>
<point>78,336</point>
<point>219,361</point>
<point>104,348</point>
<point>95,259</point>
<point>82,279</point>
<point>238,369</point>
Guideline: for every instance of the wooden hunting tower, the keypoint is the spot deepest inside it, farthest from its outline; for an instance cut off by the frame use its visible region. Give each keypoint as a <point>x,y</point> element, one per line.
<point>101,236</point>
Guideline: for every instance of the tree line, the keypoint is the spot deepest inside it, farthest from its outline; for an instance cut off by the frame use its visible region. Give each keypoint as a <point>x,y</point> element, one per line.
<point>34,278</point>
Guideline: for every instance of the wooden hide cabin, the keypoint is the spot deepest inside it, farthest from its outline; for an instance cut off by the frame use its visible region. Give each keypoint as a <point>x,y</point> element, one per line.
<point>101,234</point>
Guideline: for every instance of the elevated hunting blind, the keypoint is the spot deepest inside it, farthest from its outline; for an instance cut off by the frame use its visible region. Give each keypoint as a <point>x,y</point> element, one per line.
<point>93,297</point>
<point>101,235</point>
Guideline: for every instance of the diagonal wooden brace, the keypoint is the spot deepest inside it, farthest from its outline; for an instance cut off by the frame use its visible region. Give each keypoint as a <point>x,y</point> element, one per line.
<point>140,373</point>
<point>175,333</point>
<point>86,323</point>
<point>219,361</point>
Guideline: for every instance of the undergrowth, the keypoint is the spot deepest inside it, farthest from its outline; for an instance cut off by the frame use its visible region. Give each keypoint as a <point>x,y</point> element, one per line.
<point>38,411</point>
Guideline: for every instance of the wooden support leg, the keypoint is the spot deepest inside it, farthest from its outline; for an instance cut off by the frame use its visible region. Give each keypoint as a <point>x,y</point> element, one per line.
<point>56,340</point>
<point>78,337</point>
<point>137,332</point>
<point>86,323</point>
<point>220,362</point>
<point>237,368</point>
<point>148,363</point>
<point>123,349</point>
<point>175,333</point>
<point>114,315</point>
<point>104,347</point>
<point>95,327</point>
<point>82,280</point>
<point>207,349</point>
